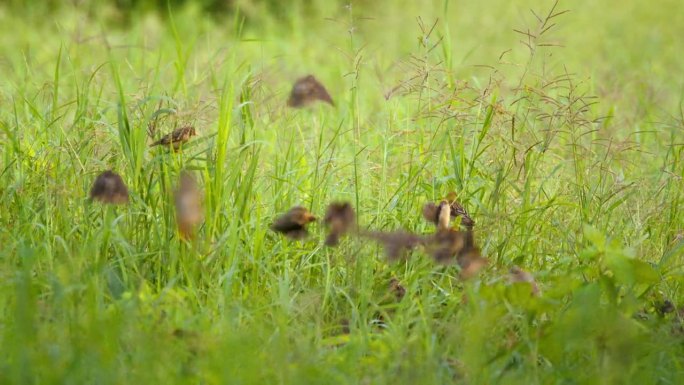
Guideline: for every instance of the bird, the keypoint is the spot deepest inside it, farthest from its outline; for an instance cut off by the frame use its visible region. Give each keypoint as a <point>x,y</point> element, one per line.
<point>397,289</point>
<point>188,202</point>
<point>176,138</point>
<point>471,262</point>
<point>431,211</point>
<point>396,243</point>
<point>339,217</point>
<point>307,90</point>
<point>109,188</point>
<point>445,245</point>
<point>517,275</point>
<point>450,246</point>
<point>293,223</point>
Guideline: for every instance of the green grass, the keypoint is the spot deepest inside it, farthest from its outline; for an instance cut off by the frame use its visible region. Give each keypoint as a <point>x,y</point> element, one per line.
<point>569,158</point>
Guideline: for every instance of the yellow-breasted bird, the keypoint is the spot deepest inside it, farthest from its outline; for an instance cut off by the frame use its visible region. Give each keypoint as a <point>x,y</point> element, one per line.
<point>109,188</point>
<point>307,90</point>
<point>431,211</point>
<point>176,138</point>
<point>339,217</point>
<point>188,202</point>
<point>293,223</point>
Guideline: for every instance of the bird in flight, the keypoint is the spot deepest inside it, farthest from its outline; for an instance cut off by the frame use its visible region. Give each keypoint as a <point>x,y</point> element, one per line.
<point>109,188</point>
<point>306,91</point>
<point>293,223</point>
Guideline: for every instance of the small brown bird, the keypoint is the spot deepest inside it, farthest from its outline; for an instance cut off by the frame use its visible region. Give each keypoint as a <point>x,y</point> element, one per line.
<point>446,245</point>
<point>293,223</point>
<point>471,262</point>
<point>188,200</point>
<point>339,217</point>
<point>397,289</point>
<point>519,275</point>
<point>396,243</point>
<point>176,138</point>
<point>431,212</point>
<point>109,188</point>
<point>449,246</point>
<point>306,91</point>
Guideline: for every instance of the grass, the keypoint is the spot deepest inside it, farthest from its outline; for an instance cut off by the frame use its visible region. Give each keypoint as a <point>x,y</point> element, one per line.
<point>569,158</point>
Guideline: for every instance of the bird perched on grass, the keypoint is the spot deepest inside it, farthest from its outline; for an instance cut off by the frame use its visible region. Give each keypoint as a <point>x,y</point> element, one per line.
<point>176,138</point>
<point>293,223</point>
<point>431,211</point>
<point>339,217</point>
<point>188,201</point>
<point>109,188</point>
<point>306,91</point>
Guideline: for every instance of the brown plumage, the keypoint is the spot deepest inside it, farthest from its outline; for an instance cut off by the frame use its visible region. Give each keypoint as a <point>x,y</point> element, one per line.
<point>339,217</point>
<point>188,201</point>
<point>293,223</point>
<point>471,262</point>
<point>397,289</point>
<point>396,243</point>
<point>109,188</point>
<point>451,246</point>
<point>445,245</point>
<point>431,211</point>
<point>306,91</point>
<point>176,138</point>
<point>517,275</point>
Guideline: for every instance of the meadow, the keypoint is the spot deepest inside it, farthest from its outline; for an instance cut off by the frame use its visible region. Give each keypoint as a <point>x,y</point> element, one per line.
<point>562,133</point>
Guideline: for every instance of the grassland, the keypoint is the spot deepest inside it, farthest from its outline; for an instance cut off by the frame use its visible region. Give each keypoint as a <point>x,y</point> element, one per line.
<point>564,143</point>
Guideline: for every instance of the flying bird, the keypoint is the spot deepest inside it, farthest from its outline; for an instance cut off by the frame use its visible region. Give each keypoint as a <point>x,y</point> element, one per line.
<point>176,138</point>
<point>396,243</point>
<point>431,212</point>
<point>293,223</point>
<point>339,217</point>
<point>306,91</point>
<point>109,188</point>
<point>452,246</point>
<point>188,201</point>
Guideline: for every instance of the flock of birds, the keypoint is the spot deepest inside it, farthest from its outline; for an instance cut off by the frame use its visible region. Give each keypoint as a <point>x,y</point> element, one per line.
<point>448,244</point>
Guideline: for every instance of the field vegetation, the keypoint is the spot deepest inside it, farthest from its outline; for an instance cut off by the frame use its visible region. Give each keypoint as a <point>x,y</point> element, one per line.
<point>560,126</point>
